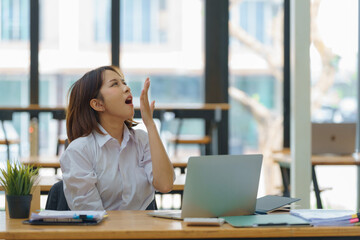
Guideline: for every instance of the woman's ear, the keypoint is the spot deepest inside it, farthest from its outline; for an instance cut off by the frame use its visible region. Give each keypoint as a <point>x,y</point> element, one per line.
<point>97,105</point>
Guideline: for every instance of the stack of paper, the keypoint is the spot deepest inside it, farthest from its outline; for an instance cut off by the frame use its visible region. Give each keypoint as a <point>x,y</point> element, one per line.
<point>69,217</point>
<point>327,217</point>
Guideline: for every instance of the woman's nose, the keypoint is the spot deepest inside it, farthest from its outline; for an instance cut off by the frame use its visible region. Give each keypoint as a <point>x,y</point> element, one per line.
<point>127,89</point>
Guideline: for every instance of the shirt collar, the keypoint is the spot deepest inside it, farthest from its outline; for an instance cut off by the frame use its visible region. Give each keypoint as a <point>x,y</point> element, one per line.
<point>104,138</point>
<point>129,134</point>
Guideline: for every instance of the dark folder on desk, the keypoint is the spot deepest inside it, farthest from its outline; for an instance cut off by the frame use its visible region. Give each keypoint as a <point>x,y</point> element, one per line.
<point>270,203</point>
<point>269,220</point>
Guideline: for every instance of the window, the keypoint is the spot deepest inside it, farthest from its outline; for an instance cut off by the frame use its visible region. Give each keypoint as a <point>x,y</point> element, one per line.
<point>150,19</point>
<point>164,39</point>
<point>74,39</point>
<point>14,66</point>
<point>255,79</point>
<point>333,54</point>
<point>334,70</point>
<point>14,20</point>
<point>102,21</point>
<point>175,66</point>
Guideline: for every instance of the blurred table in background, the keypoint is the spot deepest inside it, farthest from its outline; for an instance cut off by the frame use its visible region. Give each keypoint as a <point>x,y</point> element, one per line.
<point>284,161</point>
<point>214,114</point>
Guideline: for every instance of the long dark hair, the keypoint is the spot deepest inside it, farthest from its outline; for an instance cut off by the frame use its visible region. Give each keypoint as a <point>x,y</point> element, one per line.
<point>81,118</point>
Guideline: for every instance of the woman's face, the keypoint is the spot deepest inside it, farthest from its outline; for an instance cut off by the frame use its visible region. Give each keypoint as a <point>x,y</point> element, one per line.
<point>117,98</point>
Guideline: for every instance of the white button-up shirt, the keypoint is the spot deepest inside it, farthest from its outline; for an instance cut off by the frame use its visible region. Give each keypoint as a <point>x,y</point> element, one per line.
<point>101,174</point>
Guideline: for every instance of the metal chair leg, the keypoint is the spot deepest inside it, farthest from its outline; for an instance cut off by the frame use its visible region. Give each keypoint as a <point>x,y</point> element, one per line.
<point>316,189</point>
<point>6,140</point>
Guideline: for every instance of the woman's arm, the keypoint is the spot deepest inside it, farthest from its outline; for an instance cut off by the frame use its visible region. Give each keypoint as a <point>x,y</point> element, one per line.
<point>163,171</point>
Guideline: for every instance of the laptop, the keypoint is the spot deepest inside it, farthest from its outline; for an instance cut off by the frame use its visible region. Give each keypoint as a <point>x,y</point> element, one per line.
<point>333,138</point>
<point>218,185</point>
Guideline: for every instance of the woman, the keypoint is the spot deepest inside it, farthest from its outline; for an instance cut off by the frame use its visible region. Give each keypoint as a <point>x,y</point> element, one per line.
<point>108,165</point>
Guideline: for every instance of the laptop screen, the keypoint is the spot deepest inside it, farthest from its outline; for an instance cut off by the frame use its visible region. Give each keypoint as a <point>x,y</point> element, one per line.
<point>333,138</point>
<point>221,185</point>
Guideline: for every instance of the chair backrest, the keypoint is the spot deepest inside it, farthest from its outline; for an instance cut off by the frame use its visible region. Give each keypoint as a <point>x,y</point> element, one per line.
<point>56,199</point>
<point>66,143</point>
<point>6,115</point>
<point>152,205</point>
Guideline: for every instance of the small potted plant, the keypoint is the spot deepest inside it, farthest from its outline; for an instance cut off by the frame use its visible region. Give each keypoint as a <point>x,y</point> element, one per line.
<point>18,180</point>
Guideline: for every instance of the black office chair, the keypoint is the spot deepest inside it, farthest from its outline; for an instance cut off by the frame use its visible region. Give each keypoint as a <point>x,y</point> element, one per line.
<point>56,199</point>
<point>62,138</point>
<point>10,136</point>
<point>152,205</point>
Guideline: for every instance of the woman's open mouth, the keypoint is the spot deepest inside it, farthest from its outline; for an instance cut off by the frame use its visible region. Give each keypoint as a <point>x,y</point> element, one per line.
<point>129,100</point>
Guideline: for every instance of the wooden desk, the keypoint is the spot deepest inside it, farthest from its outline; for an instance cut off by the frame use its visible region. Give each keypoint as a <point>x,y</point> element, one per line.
<point>45,183</point>
<point>137,225</point>
<point>284,161</point>
<point>215,115</point>
<point>180,163</point>
<point>42,161</point>
<point>53,161</point>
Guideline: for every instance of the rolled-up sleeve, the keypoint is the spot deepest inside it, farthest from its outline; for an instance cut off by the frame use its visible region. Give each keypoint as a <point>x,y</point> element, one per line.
<point>80,180</point>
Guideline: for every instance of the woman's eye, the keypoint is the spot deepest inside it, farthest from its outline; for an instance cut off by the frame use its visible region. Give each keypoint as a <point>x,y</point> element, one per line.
<point>115,83</point>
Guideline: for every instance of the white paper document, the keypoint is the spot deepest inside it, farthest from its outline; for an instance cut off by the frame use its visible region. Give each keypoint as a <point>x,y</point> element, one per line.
<point>325,217</point>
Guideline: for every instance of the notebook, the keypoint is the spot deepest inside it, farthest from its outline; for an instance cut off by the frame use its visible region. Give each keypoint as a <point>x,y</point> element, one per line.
<point>333,138</point>
<point>218,185</point>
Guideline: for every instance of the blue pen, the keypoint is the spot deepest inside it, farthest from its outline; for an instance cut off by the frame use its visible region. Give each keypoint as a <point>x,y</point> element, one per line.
<point>83,216</point>
<point>88,217</point>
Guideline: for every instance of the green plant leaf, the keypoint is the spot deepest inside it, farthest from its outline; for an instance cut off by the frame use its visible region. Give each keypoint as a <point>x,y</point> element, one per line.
<point>18,179</point>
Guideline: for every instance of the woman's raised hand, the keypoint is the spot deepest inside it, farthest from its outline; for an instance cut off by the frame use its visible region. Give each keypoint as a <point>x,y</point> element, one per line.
<point>146,109</point>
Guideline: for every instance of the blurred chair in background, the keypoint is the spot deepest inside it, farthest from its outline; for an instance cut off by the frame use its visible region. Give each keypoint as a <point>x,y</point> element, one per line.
<point>61,133</point>
<point>8,134</point>
<point>187,139</point>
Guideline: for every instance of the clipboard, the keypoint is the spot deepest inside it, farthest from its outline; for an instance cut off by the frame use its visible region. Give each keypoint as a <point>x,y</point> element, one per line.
<point>269,220</point>
<point>57,222</point>
<point>52,217</point>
